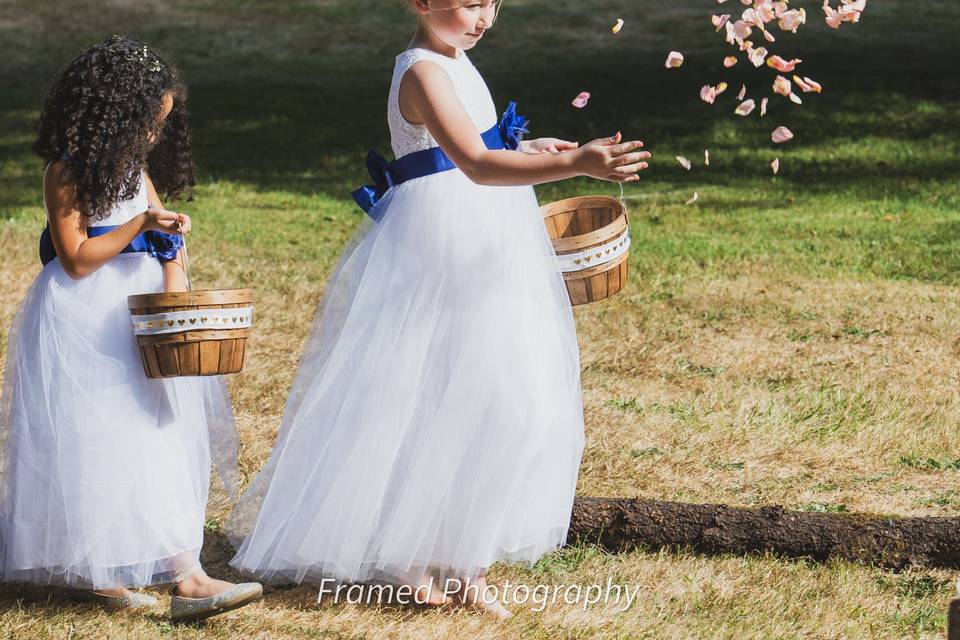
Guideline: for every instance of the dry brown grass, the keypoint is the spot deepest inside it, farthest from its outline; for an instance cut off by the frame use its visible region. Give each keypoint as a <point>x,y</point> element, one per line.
<point>678,393</point>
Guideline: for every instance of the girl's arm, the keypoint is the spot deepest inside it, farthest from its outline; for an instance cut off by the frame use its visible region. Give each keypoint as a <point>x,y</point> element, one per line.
<point>174,271</point>
<point>427,96</point>
<point>79,255</point>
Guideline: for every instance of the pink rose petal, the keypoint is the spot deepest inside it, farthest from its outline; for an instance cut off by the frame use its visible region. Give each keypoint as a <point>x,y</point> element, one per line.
<point>792,19</point>
<point>720,21</point>
<point>686,164</point>
<point>782,86</point>
<point>743,92</point>
<point>807,85</point>
<point>619,25</point>
<point>581,100</point>
<point>729,61</point>
<point>708,94</point>
<point>775,165</point>
<point>706,157</point>
<point>746,108</point>
<point>781,135</point>
<point>757,56</point>
<point>795,99</point>
<point>763,106</point>
<point>781,65</point>
<point>674,60</point>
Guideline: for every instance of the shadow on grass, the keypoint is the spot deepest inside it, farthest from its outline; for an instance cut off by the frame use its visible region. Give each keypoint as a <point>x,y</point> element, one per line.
<point>298,112</point>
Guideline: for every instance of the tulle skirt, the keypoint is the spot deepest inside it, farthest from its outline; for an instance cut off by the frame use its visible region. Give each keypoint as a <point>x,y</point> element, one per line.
<point>105,473</point>
<point>435,424</point>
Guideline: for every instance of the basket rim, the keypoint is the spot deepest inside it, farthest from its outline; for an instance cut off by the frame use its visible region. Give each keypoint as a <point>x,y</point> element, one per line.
<point>618,225</point>
<point>193,298</point>
<point>550,209</point>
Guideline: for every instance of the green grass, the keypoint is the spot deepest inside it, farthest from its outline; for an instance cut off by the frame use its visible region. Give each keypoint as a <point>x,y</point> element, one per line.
<point>789,339</point>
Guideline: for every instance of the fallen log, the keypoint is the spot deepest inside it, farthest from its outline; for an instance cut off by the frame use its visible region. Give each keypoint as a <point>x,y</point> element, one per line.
<point>953,621</point>
<point>622,524</point>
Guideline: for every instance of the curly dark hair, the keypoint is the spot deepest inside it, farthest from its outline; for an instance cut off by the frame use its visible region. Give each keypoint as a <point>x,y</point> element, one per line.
<point>102,119</point>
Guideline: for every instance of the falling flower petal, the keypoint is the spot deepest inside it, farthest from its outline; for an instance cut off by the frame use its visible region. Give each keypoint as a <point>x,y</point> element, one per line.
<point>757,56</point>
<point>674,60</point>
<point>769,36</point>
<point>797,80</point>
<point>746,108</point>
<point>782,86</point>
<point>686,164</point>
<point>616,28</point>
<point>729,61</point>
<point>832,17</point>
<point>792,19</point>
<point>795,99</point>
<point>742,29</point>
<point>775,165</point>
<point>781,65</point>
<point>581,100</point>
<point>708,94</point>
<point>807,85</point>
<point>743,92</point>
<point>763,106</point>
<point>781,134</point>
<point>696,196</point>
<point>731,33</point>
<point>720,21</point>
<point>706,157</point>
<point>720,88</point>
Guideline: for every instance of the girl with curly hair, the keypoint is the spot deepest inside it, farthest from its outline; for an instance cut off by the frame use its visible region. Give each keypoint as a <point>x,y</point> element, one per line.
<point>105,473</point>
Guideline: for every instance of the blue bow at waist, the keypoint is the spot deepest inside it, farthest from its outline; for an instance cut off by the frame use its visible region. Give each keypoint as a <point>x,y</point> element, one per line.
<point>162,246</point>
<point>506,134</point>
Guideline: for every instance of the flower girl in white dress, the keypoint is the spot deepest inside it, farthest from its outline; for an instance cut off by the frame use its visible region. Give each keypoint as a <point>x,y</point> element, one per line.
<point>104,473</point>
<point>435,425</point>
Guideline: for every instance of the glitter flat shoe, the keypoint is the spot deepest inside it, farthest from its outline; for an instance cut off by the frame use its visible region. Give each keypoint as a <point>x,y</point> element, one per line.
<point>193,609</point>
<point>131,600</point>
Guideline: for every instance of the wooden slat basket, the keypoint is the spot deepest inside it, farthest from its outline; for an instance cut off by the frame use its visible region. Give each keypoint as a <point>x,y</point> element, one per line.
<point>192,333</point>
<point>592,241</point>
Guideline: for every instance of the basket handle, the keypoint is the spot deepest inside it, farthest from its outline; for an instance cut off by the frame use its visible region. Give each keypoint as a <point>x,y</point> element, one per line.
<point>186,258</point>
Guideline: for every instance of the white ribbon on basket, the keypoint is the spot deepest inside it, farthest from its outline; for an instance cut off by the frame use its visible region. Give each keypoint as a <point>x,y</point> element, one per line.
<point>571,262</point>
<point>193,320</point>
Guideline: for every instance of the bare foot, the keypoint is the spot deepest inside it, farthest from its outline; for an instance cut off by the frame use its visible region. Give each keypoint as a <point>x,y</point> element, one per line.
<point>426,593</point>
<point>475,595</point>
<point>200,585</point>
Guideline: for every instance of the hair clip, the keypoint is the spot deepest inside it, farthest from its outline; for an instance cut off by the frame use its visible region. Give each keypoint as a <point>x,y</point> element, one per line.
<point>146,60</point>
<point>142,56</point>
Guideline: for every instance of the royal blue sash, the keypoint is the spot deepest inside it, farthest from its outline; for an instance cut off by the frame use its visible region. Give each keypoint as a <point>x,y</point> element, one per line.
<point>507,134</point>
<point>162,246</point>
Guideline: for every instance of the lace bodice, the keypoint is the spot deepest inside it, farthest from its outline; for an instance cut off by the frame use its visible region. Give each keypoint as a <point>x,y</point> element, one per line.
<point>468,84</point>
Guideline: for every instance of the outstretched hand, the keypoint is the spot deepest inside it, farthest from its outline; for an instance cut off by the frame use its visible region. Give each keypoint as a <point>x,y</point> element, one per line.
<point>611,159</point>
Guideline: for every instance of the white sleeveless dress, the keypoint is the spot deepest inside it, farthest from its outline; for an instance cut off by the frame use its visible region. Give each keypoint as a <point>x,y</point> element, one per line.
<point>104,473</point>
<point>435,422</point>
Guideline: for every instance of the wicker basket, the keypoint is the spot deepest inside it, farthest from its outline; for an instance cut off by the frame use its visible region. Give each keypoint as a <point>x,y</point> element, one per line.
<point>592,241</point>
<point>192,333</point>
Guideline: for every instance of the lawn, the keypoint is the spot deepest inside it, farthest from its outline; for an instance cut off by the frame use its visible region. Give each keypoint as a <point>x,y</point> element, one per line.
<point>788,339</point>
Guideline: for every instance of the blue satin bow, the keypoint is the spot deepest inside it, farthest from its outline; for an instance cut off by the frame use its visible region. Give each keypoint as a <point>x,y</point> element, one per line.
<point>512,127</point>
<point>507,134</point>
<point>160,245</point>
